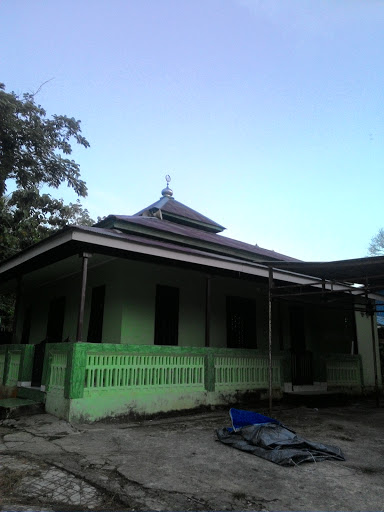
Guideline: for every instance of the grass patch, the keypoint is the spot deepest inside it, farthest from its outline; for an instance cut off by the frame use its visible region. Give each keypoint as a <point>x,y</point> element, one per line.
<point>9,479</point>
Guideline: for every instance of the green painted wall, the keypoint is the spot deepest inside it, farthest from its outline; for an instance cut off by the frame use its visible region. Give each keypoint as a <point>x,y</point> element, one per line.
<point>129,316</point>
<point>139,282</point>
<point>94,387</point>
<point>110,275</point>
<point>119,379</point>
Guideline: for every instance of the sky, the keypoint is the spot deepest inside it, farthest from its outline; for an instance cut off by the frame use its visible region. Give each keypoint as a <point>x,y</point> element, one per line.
<point>267,114</point>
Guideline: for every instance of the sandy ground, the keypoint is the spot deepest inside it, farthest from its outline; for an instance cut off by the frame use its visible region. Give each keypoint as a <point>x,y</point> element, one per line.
<point>177,464</point>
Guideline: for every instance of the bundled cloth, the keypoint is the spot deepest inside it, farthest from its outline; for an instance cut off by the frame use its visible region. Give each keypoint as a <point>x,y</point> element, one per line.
<point>268,438</point>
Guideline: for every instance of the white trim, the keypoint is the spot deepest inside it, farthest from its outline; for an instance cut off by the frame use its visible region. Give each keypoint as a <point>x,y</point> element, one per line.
<point>42,388</point>
<point>24,384</point>
<point>316,386</point>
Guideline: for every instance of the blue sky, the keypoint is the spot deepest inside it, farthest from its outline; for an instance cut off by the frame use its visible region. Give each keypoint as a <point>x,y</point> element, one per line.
<point>267,114</point>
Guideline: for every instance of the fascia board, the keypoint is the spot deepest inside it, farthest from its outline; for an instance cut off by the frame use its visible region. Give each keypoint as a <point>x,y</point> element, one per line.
<point>224,263</point>
<point>174,255</point>
<point>35,251</point>
<point>206,260</point>
<point>212,228</point>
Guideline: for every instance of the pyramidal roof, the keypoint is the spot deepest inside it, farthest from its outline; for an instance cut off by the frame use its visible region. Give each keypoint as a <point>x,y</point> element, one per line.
<point>170,221</point>
<point>168,208</point>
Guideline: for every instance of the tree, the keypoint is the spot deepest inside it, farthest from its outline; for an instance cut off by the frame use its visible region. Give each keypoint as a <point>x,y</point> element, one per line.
<point>32,146</point>
<point>376,246</point>
<point>26,217</point>
<point>34,152</point>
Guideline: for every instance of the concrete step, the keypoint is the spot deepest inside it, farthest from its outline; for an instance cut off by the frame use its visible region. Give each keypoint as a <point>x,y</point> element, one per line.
<point>31,393</point>
<point>16,407</point>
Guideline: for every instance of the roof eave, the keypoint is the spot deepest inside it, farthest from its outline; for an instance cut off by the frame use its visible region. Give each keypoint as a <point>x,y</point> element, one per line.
<point>212,228</point>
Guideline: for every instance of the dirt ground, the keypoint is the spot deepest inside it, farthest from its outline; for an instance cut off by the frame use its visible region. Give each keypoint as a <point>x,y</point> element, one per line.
<point>176,463</point>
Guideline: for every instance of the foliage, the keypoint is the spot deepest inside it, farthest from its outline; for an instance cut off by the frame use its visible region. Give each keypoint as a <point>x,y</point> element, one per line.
<point>7,307</point>
<point>376,246</point>
<point>26,217</point>
<point>34,153</point>
<point>32,146</point>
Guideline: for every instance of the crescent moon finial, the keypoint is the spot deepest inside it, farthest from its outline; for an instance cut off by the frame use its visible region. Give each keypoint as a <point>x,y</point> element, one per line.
<point>167,192</point>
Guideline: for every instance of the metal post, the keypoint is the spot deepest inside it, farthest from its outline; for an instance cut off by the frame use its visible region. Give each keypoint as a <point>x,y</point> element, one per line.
<point>370,311</point>
<point>270,284</point>
<point>84,272</point>
<point>207,311</point>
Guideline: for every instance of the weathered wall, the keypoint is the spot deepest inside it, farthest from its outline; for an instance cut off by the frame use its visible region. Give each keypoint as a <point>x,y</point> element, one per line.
<point>87,382</point>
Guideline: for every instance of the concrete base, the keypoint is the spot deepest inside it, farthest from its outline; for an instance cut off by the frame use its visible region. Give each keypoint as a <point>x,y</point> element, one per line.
<point>34,394</point>
<point>16,407</point>
<point>309,388</point>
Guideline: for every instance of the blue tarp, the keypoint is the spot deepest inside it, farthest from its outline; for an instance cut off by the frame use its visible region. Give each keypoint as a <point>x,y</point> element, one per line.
<point>242,418</point>
<point>268,438</point>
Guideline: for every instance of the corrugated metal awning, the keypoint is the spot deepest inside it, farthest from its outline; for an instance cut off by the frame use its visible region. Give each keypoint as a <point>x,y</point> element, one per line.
<point>365,271</point>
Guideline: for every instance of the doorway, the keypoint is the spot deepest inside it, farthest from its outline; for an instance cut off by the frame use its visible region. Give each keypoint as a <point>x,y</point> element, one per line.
<point>54,334</point>
<point>301,358</point>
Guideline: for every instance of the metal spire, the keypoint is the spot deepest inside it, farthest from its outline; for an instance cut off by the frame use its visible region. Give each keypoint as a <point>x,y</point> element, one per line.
<point>167,192</point>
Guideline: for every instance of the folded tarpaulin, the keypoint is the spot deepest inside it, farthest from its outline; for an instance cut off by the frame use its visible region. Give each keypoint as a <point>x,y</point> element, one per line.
<point>271,440</point>
<point>240,418</point>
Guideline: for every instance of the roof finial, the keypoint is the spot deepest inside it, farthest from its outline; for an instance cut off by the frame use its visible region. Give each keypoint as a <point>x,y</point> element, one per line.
<point>167,192</point>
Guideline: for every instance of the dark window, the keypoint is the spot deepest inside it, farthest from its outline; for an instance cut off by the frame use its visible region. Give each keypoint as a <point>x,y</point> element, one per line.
<point>95,327</point>
<point>56,320</point>
<point>241,322</point>
<point>167,315</point>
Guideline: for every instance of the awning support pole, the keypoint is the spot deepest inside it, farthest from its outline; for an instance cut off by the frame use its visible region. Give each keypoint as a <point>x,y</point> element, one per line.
<point>84,272</point>
<point>207,311</point>
<point>373,334</point>
<point>270,284</point>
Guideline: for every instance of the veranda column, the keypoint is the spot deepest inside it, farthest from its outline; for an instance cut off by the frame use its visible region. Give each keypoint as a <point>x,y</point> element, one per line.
<point>84,272</point>
<point>207,311</point>
<point>371,313</point>
<point>270,284</point>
